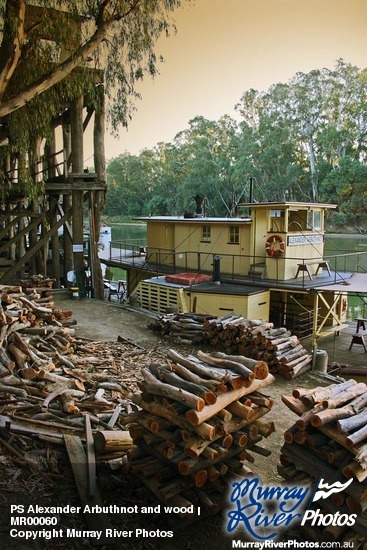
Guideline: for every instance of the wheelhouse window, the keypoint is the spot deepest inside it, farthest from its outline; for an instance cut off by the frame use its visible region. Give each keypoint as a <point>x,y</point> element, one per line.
<point>276,220</point>
<point>297,220</point>
<point>234,234</point>
<point>314,220</point>
<point>206,233</point>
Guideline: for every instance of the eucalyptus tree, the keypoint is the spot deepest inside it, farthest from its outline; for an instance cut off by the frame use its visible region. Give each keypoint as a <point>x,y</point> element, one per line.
<point>347,187</point>
<point>42,61</point>
<point>210,151</point>
<point>267,152</point>
<point>170,169</point>
<point>130,183</point>
<point>345,113</point>
<point>304,127</point>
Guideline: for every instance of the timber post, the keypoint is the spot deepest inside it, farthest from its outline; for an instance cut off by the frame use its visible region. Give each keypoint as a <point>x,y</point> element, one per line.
<point>77,152</point>
<point>99,196</point>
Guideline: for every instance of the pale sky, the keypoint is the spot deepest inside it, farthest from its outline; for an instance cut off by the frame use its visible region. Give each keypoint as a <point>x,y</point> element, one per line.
<point>225,47</point>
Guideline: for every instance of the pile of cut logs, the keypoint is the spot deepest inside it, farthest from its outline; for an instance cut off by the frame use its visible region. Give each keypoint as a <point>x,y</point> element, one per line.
<point>50,380</point>
<point>199,420</point>
<point>252,338</point>
<point>329,440</point>
<point>187,328</point>
<point>37,281</point>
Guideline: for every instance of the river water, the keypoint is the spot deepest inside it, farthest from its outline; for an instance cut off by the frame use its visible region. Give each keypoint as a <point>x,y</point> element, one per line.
<point>335,245</point>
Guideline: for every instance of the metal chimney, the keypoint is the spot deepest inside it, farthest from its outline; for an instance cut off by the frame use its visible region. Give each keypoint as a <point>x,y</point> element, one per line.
<point>251,198</point>
<point>199,206</point>
<point>216,270</point>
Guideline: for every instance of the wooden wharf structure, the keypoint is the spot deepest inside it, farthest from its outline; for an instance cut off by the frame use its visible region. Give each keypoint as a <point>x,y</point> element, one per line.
<point>45,233</point>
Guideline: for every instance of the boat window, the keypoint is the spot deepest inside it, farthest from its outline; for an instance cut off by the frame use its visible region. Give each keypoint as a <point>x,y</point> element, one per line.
<point>234,234</point>
<point>205,233</point>
<point>297,220</point>
<point>314,219</point>
<point>277,220</point>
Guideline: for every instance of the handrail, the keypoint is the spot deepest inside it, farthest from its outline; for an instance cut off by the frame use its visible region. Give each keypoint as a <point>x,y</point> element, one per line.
<point>161,260</point>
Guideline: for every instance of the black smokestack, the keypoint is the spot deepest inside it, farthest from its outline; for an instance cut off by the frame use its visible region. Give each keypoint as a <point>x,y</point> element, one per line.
<point>251,199</point>
<point>199,206</point>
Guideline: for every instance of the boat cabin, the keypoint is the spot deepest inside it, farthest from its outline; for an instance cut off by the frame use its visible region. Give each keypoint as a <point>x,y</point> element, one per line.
<point>276,241</point>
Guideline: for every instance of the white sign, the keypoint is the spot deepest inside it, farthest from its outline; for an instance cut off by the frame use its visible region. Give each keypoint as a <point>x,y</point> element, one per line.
<point>305,239</point>
<point>78,248</point>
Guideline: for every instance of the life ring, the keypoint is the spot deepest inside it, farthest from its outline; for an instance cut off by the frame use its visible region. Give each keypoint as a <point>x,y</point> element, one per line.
<point>275,246</point>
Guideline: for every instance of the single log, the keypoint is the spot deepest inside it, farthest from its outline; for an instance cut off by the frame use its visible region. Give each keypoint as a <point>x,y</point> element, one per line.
<point>241,410</point>
<point>13,390</point>
<point>337,456</point>
<point>197,367</point>
<point>6,360</point>
<point>224,415</point>
<point>240,369</point>
<point>264,427</point>
<point>302,357</point>
<point>240,439</point>
<point>353,423</point>
<point>199,478</point>
<point>204,430</point>
<point>335,401</point>
<point>299,369</point>
<point>353,469</point>
<point>362,456</point>
<point>154,386</point>
<point>224,399</point>
<point>110,440</point>
<point>186,374</point>
<point>329,415</point>
<point>259,368</point>
<point>207,502</point>
<point>357,437</point>
<point>168,377</point>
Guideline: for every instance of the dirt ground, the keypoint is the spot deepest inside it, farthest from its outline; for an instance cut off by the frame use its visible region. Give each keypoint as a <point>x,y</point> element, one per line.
<point>108,321</point>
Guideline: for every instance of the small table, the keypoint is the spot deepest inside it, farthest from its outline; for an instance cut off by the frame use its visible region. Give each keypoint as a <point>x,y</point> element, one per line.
<point>358,338</point>
<point>360,323</point>
<point>305,266</point>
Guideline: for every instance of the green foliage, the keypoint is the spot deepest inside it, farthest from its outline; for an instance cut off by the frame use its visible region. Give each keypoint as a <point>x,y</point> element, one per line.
<point>347,186</point>
<point>130,29</point>
<point>303,140</point>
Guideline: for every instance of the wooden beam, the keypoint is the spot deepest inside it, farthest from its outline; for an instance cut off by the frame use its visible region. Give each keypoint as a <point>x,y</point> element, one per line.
<point>79,464</point>
<point>67,224</point>
<point>11,272</point>
<point>22,232</point>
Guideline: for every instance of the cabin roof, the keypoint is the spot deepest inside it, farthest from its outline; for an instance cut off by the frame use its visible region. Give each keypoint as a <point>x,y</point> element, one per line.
<point>287,204</point>
<point>194,219</point>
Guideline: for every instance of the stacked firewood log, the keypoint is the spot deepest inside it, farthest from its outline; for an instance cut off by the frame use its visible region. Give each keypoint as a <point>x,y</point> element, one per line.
<point>257,339</point>
<point>50,380</point>
<point>329,441</point>
<point>37,281</point>
<point>187,328</point>
<point>199,419</point>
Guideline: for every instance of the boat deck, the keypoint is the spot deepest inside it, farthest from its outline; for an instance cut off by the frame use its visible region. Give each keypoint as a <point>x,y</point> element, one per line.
<point>336,344</point>
<point>303,282</point>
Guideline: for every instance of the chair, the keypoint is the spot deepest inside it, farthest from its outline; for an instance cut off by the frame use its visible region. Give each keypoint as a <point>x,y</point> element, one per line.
<point>119,290</point>
<point>358,338</point>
